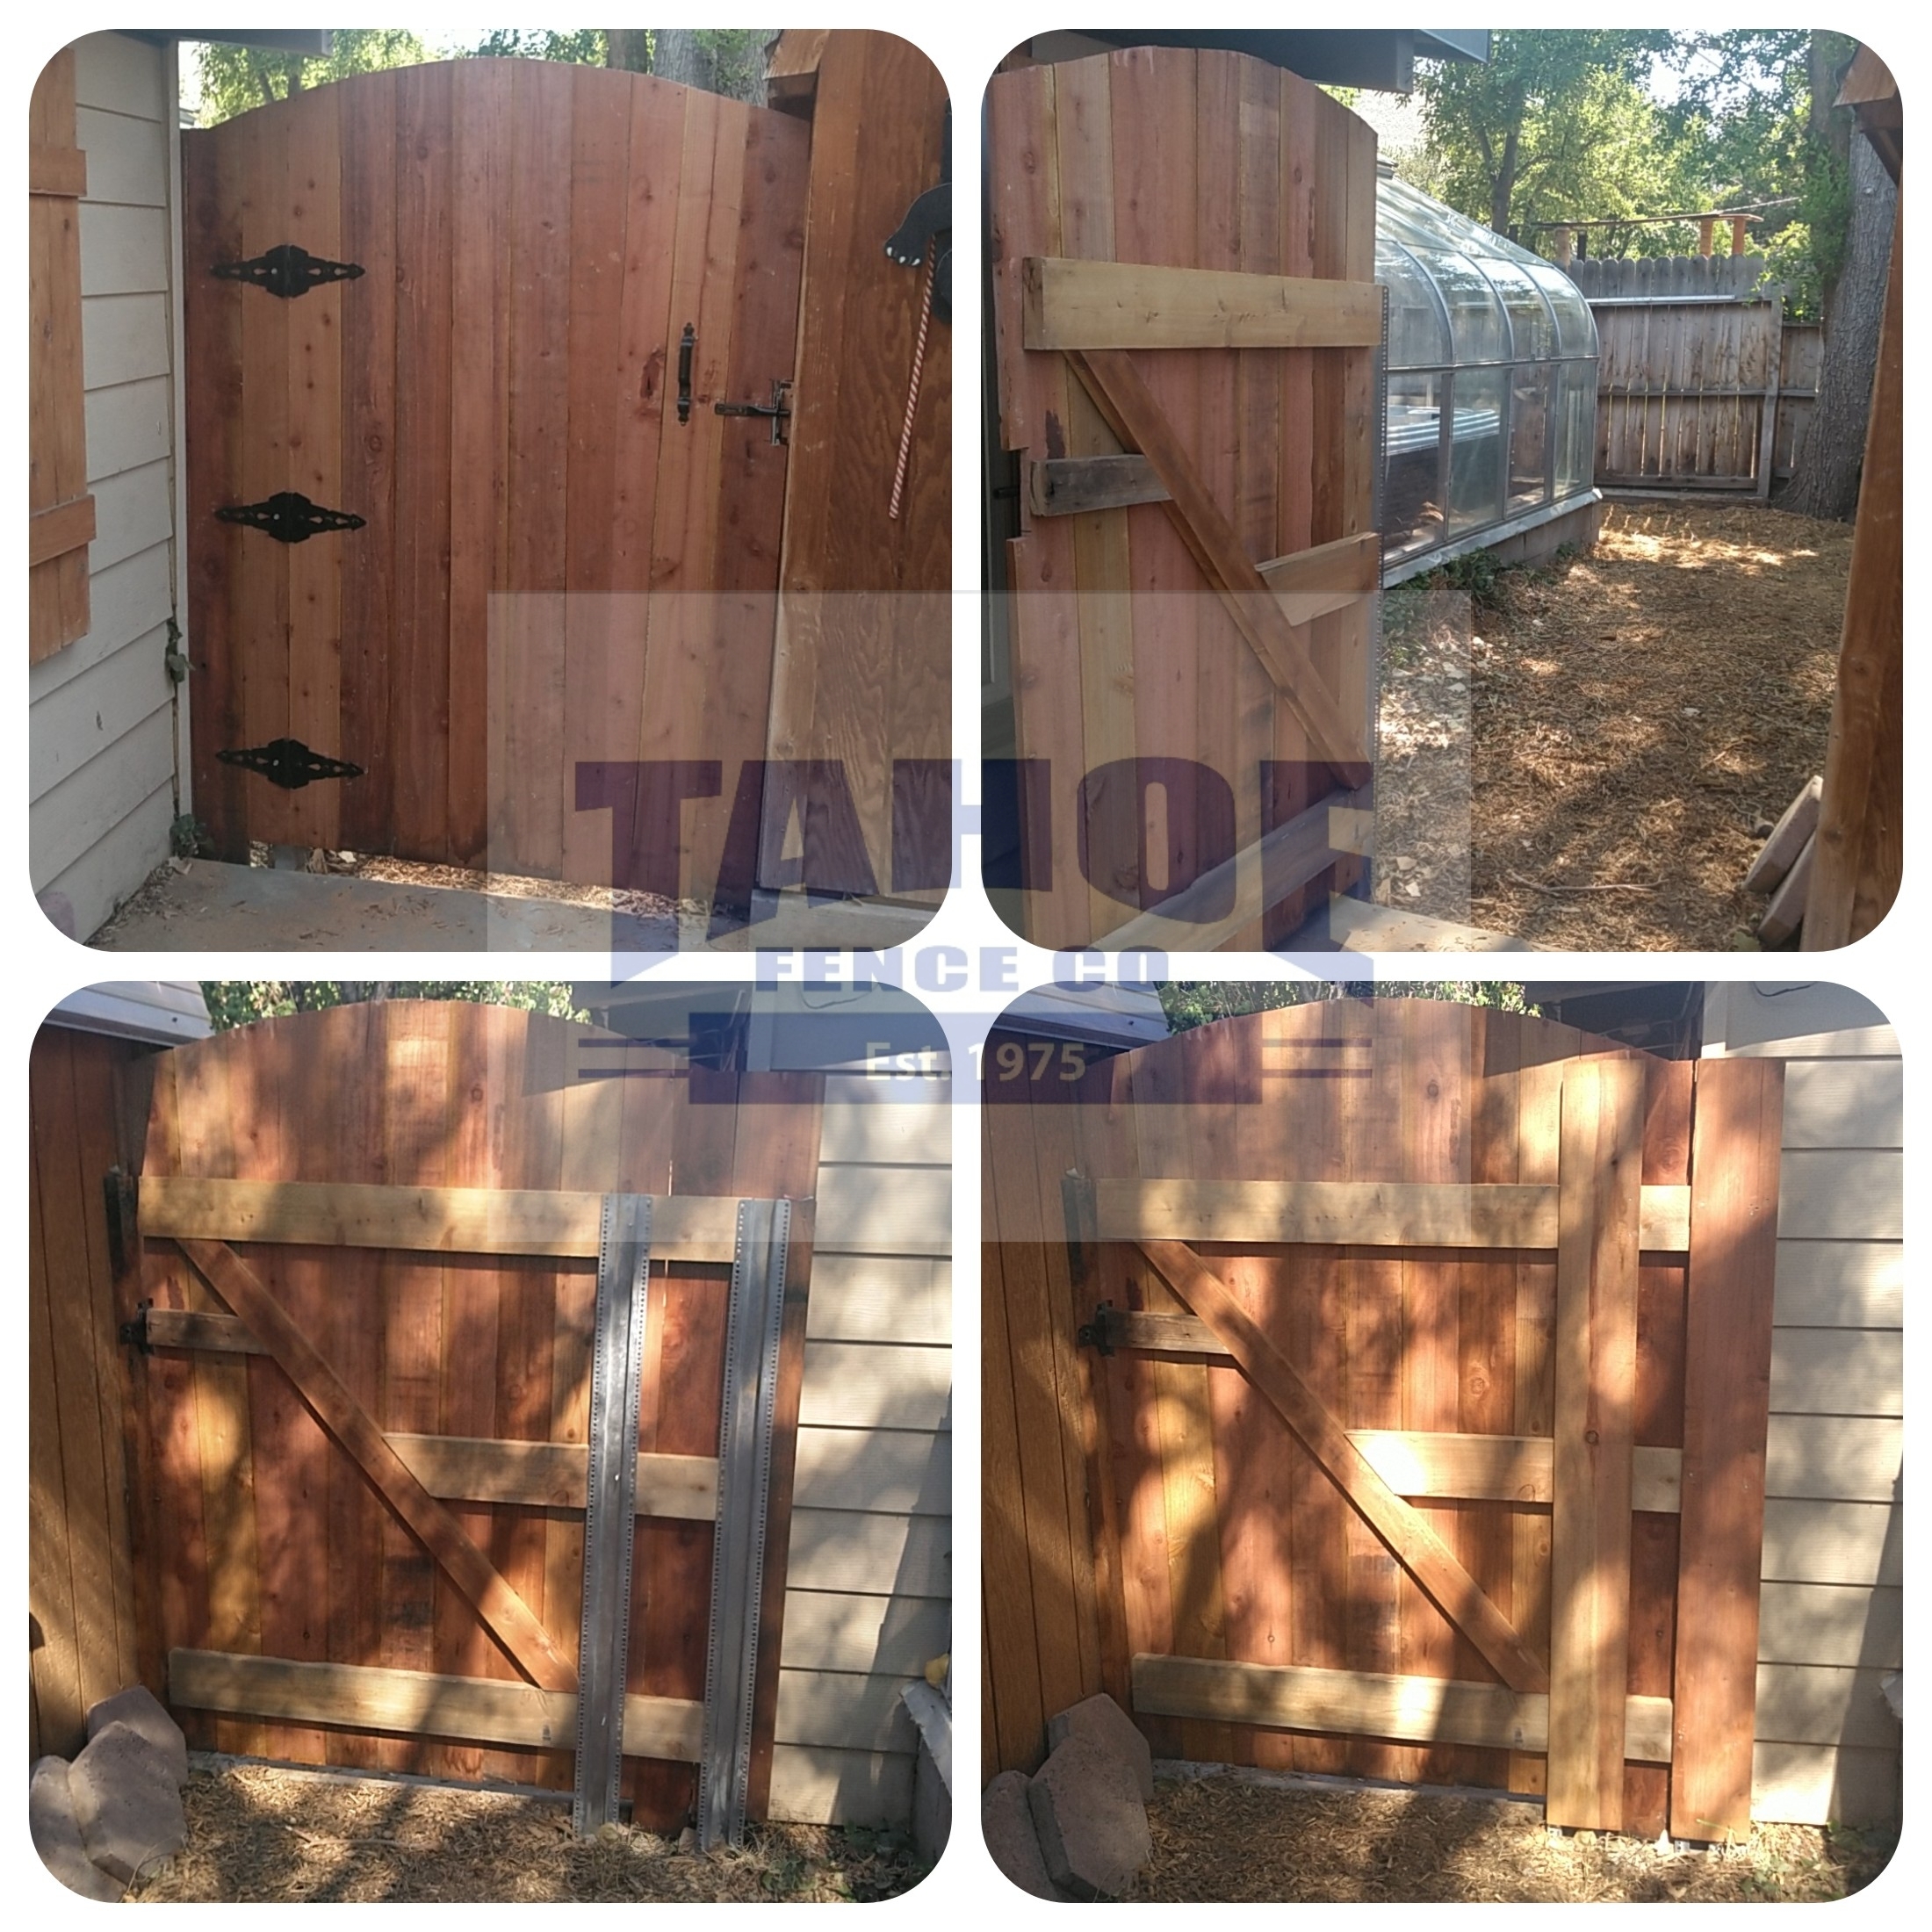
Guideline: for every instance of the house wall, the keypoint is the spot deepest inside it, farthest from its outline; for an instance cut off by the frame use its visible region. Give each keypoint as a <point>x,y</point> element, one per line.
<point>103,727</point>
<point>1830,1629</point>
<point>867,1600</point>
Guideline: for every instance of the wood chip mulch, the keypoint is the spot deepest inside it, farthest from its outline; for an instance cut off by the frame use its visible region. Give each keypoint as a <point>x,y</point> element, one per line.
<point>1587,756</point>
<point>1224,1840</point>
<point>261,1834</point>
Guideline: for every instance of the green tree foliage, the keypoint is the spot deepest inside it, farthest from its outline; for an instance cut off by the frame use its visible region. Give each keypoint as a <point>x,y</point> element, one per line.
<point>237,1002</point>
<point>1595,124</point>
<point>233,79</point>
<point>1198,1002</point>
<point>1555,123</point>
<point>587,47</point>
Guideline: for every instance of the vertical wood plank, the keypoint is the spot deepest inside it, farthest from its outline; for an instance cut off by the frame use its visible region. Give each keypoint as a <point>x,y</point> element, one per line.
<point>1735,1133</point>
<point>424,393</point>
<point>1599,1182</point>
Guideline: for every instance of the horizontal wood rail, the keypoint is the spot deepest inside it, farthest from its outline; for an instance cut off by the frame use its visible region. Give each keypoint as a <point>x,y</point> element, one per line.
<point>1411,1538</point>
<point>1363,1213</point>
<point>481,1469</point>
<point>495,1600</point>
<point>442,1220</point>
<point>1069,304</point>
<point>1076,485</point>
<point>53,532</point>
<point>1308,584</point>
<point>59,171</point>
<point>1368,1704</point>
<point>420,1704</point>
<point>1280,861</point>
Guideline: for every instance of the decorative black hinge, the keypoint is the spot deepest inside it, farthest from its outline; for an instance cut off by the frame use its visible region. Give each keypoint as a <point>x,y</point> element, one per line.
<point>289,763</point>
<point>288,270</point>
<point>288,516</point>
<point>779,409</point>
<point>134,1334</point>
<point>930,216</point>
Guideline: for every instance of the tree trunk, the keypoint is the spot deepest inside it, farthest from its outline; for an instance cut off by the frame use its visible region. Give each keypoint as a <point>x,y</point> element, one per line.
<point>1826,481</point>
<point>721,61</point>
<point>629,49</point>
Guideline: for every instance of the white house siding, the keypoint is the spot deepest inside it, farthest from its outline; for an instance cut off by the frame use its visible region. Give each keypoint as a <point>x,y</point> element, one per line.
<point>101,760</point>
<point>1830,1629</point>
<point>867,1602</point>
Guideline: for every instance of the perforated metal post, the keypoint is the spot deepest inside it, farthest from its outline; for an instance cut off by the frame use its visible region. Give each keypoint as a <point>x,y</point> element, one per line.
<point>610,1511</point>
<point>744,1497</point>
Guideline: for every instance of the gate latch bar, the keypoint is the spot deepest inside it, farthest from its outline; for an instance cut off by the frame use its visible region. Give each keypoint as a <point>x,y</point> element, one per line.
<point>1099,1332</point>
<point>779,409</point>
<point>134,1334</point>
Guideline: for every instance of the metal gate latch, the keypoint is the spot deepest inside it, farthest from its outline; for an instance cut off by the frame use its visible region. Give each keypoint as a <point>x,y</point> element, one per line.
<point>134,1334</point>
<point>779,409</point>
<point>289,763</point>
<point>288,270</point>
<point>1098,1333</point>
<point>288,516</point>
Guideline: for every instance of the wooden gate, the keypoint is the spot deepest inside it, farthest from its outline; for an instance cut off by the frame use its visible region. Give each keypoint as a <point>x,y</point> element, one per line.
<point>372,1244</point>
<point>547,279</point>
<point>1428,1356</point>
<point>1687,394</point>
<point>1191,591</point>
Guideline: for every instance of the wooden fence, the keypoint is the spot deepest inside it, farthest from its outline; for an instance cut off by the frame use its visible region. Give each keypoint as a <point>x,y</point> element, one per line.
<point>1380,1388</point>
<point>1700,392</point>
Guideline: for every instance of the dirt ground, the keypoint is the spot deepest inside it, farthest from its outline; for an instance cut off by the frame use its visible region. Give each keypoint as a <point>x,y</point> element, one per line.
<point>1589,755</point>
<point>1220,1839</point>
<point>261,1834</point>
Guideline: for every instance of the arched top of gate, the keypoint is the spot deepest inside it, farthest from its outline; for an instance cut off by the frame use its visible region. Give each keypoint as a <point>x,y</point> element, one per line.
<point>460,1093</point>
<point>486,82</point>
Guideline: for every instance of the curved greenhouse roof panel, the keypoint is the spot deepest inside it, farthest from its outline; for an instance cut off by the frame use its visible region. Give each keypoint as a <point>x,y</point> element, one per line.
<point>1492,419</point>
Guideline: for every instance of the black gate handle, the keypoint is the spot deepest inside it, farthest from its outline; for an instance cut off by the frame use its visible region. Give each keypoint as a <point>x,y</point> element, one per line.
<point>686,345</point>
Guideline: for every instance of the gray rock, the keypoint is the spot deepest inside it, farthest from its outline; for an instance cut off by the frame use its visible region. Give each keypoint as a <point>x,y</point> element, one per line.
<point>57,1833</point>
<point>1101,1721</point>
<point>127,1803</point>
<point>1087,1807</point>
<point>1005,1822</point>
<point>137,1707</point>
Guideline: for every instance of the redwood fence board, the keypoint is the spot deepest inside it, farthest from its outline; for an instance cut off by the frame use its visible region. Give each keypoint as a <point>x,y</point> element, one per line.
<point>468,1367</point>
<point>1552,1384</point>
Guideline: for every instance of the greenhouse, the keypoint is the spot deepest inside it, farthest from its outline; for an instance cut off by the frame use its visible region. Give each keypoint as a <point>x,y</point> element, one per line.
<point>1491,422</point>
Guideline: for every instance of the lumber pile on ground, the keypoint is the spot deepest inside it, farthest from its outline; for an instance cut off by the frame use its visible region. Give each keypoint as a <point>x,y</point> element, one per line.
<point>1782,868</point>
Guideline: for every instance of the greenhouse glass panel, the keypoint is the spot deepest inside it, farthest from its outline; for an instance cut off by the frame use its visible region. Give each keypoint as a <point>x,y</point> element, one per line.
<point>1491,405</point>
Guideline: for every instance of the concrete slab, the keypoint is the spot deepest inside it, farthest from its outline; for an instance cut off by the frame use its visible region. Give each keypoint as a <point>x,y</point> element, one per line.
<point>204,906</point>
<point>1005,1822</point>
<point>141,1710</point>
<point>126,1802</point>
<point>56,1833</point>
<point>1093,1831</point>
<point>1102,1722</point>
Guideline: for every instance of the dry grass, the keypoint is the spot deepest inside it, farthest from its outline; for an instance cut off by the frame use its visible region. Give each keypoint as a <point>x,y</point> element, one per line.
<point>261,1834</point>
<point>1224,1840</point>
<point>1628,719</point>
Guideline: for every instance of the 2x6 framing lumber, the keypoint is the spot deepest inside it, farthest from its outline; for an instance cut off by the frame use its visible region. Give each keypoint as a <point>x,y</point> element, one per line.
<point>1077,304</point>
<point>495,1601</point>
<point>439,1219</point>
<point>1413,1543</point>
<point>1599,1171</point>
<point>1136,418</point>
<point>1370,1703</point>
<point>1366,1214</point>
<point>1737,1129</point>
<point>419,1703</point>
<point>1418,1462</point>
<point>481,1469</point>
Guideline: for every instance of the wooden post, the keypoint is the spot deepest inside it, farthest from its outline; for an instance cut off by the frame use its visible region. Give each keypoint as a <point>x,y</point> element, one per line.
<point>1735,1132</point>
<point>1706,229</point>
<point>1599,1178</point>
<point>1861,824</point>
